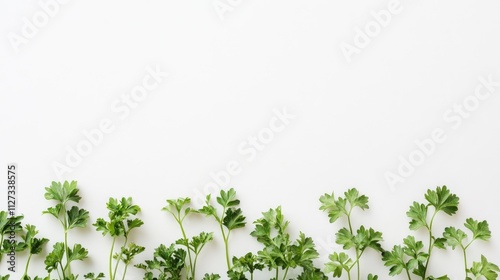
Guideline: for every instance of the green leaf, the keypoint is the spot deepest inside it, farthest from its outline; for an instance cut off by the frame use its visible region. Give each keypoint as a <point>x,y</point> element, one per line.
<point>394,260</point>
<point>454,237</point>
<point>77,253</point>
<point>3,221</point>
<point>312,274</point>
<point>272,256</point>
<point>101,225</point>
<point>211,277</point>
<point>167,262</point>
<point>176,205</point>
<point>63,192</point>
<point>77,217</point>
<point>33,244</point>
<point>249,262</point>
<point>197,242</point>
<point>54,211</point>
<point>356,200</point>
<point>339,262</point>
<point>337,208</point>
<point>397,261</point>
<point>445,277</point>
<point>93,277</point>
<point>304,251</point>
<point>364,238</point>
<point>128,253</point>
<point>414,249</point>
<point>208,210</point>
<point>234,219</point>
<point>368,238</point>
<point>333,207</point>
<point>228,199</point>
<point>54,258</point>
<point>135,223</point>
<point>345,238</point>
<point>484,268</point>
<point>443,200</point>
<point>121,210</point>
<point>233,274</point>
<point>271,220</point>
<point>440,243</point>
<point>418,216</point>
<point>480,230</point>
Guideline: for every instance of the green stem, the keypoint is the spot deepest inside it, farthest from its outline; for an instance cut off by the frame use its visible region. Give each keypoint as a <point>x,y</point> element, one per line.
<point>286,272</point>
<point>465,260</point>
<point>431,245</point>
<point>179,221</point>
<point>196,259</point>
<point>357,250</point>
<point>124,271</point>
<point>226,246</point>
<point>27,265</point>
<point>358,257</point>
<point>408,273</point>
<point>224,237</point>
<point>277,273</point>
<point>119,258</point>
<point>111,259</point>
<point>58,274</point>
<point>193,270</point>
<point>66,248</point>
<point>184,236</point>
<point>349,221</point>
<point>63,273</point>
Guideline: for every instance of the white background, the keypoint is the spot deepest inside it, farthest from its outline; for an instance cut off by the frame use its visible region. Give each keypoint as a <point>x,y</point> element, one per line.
<point>352,121</point>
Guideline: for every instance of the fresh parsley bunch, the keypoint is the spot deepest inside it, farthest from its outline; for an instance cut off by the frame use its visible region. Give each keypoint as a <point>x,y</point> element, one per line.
<point>413,257</point>
<point>359,240</point>
<point>62,255</point>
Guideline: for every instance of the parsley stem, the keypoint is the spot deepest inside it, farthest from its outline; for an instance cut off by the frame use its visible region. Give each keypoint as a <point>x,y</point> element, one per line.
<point>197,253</point>
<point>465,261</point>
<point>179,221</point>
<point>66,248</point>
<point>286,272</point>
<point>358,256</point>
<point>27,265</point>
<point>111,259</point>
<point>408,273</point>
<point>63,273</point>
<point>226,245</point>
<point>124,271</point>
<point>431,244</point>
<point>357,250</point>
<point>118,259</point>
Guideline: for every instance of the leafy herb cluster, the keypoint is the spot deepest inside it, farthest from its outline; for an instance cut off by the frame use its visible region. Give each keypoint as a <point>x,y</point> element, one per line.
<point>280,252</point>
<point>359,240</point>
<point>413,257</point>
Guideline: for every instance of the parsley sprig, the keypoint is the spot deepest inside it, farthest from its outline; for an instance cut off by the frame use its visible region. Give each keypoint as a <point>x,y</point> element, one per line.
<point>360,240</point>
